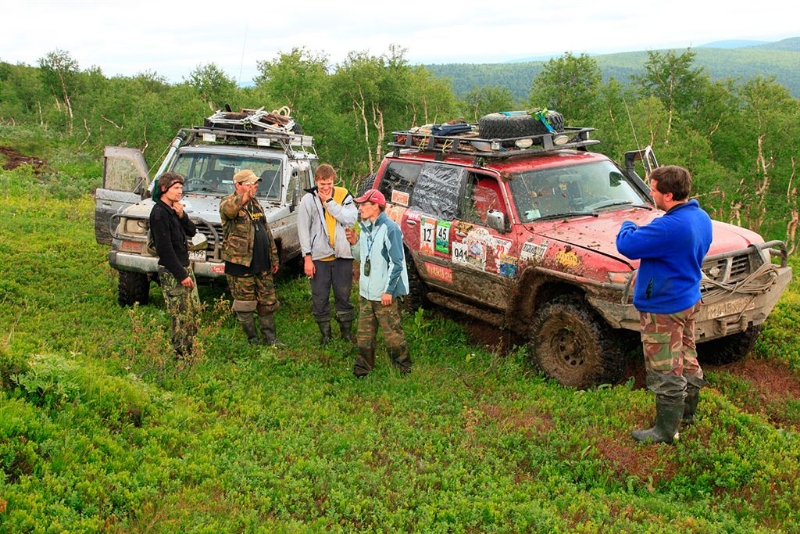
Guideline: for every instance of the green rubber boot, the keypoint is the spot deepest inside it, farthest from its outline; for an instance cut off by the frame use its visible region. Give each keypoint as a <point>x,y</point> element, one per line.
<point>668,417</point>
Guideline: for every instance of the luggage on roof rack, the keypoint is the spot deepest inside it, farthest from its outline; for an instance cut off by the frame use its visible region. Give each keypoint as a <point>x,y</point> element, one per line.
<point>258,120</point>
<point>426,138</point>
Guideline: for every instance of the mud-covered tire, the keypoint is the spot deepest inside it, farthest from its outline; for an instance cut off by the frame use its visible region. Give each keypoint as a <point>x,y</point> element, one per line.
<point>417,289</point>
<point>728,349</point>
<point>570,343</point>
<point>500,126</point>
<point>133,287</point>
<point>364,183</point>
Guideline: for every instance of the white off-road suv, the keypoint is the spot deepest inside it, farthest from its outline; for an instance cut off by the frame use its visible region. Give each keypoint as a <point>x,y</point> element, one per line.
<point>208,157</point>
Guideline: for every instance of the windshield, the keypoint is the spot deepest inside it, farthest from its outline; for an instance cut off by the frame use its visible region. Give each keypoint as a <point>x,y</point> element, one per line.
<point>213,173</point>
<point>577,189</point>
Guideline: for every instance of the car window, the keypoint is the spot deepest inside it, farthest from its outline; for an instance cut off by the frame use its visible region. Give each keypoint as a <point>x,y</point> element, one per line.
<point>481,195</point>
<point>397,183</point>
<point>572,189</point>
<point>213,173</point>
<point>437,190</point>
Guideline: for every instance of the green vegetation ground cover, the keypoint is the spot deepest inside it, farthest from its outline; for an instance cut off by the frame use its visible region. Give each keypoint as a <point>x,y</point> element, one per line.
<point>102,431</point>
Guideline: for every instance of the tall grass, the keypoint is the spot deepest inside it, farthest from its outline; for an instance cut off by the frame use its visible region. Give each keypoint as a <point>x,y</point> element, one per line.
<point>101,430</point>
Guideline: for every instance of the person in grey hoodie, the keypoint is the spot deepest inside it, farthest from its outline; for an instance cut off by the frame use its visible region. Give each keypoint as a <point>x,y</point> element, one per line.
<point>324,214</point>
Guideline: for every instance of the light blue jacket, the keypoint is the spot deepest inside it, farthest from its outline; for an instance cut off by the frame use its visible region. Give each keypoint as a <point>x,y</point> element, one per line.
<point>382,243</point>
<point>312,231</point>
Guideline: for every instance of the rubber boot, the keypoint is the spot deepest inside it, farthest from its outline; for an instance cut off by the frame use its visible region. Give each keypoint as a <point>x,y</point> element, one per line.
<point>365,361</point>
<point>248,325</point>
<point>347,334</point>
<point>690,404</point>
<point>268,334</point>
<point>668,417</point>
<point>325,330</point>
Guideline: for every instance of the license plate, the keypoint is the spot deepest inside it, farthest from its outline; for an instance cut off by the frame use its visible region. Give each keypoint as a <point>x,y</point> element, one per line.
<point>197,255</point>
<point>728,307</point>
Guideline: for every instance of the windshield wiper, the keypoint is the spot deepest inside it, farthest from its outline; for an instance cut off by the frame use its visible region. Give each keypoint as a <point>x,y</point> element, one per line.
<point>555,216</point>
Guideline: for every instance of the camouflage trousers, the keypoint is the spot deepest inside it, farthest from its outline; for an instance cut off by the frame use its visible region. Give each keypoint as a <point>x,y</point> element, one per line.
<point>370,315</point>
<point>253,291</point>
<point>670,353</point>
<point>183,307</point>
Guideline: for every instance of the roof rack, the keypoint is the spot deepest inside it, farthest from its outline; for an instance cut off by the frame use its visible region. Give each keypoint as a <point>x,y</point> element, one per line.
<point>471,145</point>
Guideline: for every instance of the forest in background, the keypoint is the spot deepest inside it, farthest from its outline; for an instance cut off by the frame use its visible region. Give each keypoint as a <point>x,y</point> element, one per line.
<point>737,136</point>
<point>780,59</point>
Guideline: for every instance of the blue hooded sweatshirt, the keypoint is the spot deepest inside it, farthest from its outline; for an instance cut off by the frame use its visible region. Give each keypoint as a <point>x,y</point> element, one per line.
<point>671,249</point>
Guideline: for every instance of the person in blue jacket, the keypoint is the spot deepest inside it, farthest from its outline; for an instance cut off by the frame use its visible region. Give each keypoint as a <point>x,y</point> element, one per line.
<point>666,293</point>
<point>383,278</point>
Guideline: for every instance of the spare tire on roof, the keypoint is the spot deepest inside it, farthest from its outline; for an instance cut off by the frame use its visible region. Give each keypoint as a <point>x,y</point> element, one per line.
<point>502,126</point>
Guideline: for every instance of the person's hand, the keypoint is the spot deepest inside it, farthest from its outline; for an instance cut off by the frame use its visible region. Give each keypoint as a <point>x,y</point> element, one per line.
<point>187,282</point>
<point>324,196</point>
<point>308,267</point>
<point>178,207</point>
<point>350,233</point>
<point>386,299</point>
<point>275,269</point>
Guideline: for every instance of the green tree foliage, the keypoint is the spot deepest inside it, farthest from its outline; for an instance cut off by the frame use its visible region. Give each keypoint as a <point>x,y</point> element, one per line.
<point>484,100</point>
<point>737,136</point>
<point>673,79</point>
<point>570,85</point>
<point>212,85</point>
<point>60,75</point>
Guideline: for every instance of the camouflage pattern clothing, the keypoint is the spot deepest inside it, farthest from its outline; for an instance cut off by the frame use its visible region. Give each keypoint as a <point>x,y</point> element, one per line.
<point>670,353</point>
<point>252,291</point>
<point>183,307</point>
<point>371,314</point>
<point>239,231</point>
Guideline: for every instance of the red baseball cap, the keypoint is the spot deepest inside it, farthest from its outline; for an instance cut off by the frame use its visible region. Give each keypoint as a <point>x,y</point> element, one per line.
<point>372,195</point>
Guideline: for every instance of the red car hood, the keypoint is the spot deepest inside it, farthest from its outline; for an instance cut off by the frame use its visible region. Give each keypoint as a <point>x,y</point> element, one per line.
<point>599,233</point>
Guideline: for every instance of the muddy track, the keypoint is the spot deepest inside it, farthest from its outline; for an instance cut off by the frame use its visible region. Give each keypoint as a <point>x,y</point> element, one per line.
<point>772,388</point>
<point>12,159</point>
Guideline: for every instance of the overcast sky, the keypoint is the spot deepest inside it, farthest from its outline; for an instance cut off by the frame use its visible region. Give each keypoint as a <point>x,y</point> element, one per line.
<point>172,38</point>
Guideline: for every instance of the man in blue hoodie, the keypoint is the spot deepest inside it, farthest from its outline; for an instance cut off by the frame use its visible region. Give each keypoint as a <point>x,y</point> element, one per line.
<point>384,278</point>
<point>671,250</point>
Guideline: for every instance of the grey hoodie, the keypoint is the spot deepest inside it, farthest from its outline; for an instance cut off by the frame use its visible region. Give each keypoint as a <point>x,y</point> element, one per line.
<point>311,227</point>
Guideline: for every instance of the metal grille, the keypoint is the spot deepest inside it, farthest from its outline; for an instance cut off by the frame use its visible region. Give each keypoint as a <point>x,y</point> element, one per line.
<point>728,269</point>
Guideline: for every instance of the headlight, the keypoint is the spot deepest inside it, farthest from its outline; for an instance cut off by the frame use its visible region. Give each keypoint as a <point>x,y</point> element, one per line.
<point>133,226</point>
<point>620,278</point>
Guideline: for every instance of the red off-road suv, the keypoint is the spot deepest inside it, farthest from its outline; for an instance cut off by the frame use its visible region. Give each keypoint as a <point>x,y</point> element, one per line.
<point>519,231</point>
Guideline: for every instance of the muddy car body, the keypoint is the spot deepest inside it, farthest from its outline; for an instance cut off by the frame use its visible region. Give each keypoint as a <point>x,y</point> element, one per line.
<point>524,238</point>
<point>207,157</point>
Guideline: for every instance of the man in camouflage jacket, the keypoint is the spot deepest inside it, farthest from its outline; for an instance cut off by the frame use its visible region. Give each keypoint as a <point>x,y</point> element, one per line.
<point>251,258</point>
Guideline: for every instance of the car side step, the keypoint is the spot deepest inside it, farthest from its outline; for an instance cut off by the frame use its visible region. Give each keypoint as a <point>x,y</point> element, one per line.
<point>494,318</point>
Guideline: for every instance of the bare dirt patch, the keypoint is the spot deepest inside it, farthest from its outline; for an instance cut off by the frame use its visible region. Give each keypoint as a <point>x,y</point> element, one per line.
<point>772,386</point>
<point>12,159</point>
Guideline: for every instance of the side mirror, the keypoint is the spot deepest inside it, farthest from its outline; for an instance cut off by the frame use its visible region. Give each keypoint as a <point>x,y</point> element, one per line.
<point>496,220</point>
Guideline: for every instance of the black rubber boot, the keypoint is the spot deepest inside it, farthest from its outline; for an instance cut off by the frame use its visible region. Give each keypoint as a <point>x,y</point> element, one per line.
<point>268,333</point>
<point>347,334</point>
<point>248,325</point>
<point>325,330</point>
<point>668,417</point>
<point>690,404</point>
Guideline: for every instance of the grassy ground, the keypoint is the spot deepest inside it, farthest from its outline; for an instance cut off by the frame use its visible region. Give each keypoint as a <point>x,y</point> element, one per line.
<point>102,431</point>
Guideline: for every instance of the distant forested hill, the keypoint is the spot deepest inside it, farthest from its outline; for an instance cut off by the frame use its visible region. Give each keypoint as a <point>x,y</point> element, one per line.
<point>781,59</point>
